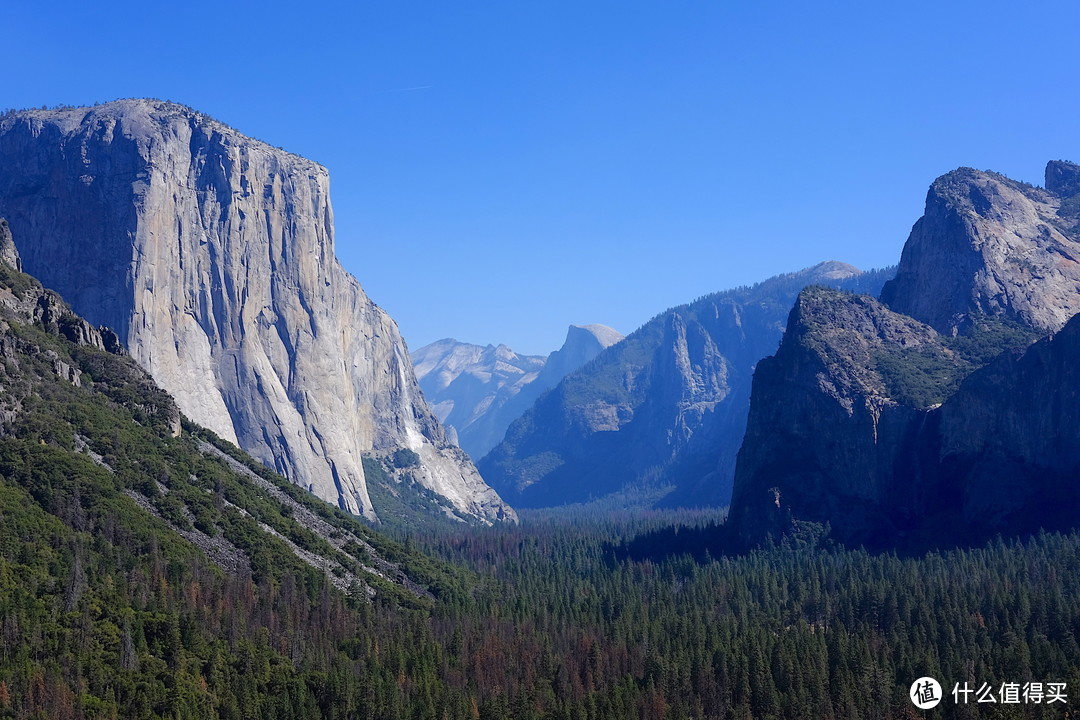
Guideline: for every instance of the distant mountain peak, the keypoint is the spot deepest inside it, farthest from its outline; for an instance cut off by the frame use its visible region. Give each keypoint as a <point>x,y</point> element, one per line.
<point>603,334</point>
<point>663,410</point>
<point>583,343</point>
<point>832,270</point>
<point>478,391</point>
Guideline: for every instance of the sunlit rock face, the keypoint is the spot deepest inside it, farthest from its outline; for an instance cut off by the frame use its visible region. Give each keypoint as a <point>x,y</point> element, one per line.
<point>212,254</point>
<point>991,246</point>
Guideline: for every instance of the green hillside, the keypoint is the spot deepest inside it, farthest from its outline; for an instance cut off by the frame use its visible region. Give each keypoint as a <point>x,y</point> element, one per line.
<point>149,571</point>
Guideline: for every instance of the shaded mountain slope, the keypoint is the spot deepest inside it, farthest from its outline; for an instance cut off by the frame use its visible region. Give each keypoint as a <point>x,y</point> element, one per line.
<point>661,414</point>
<point>898,435</point>
<point>1008,441</point>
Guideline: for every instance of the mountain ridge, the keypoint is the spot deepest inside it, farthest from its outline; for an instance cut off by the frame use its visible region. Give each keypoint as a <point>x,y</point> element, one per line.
<point>146,565</point>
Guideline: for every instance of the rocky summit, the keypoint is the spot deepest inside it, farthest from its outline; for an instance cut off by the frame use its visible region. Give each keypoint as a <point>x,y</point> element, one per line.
<point>930,417</point>
<point>478,391</point>
<point>991,246</point>
<point>212,254</point>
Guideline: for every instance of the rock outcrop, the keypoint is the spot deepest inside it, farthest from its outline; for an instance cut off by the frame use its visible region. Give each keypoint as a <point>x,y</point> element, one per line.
<point>988,246</point>
<point>478,391</point>
<point>212,254</point>
<point>34,305</point>
<point>896,425</point>
<point>8,252</point>
<point>834,418</point>
<point>657,418</point>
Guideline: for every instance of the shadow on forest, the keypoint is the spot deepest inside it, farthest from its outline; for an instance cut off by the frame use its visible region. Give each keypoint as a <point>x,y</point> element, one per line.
<point>702,543</point>
<point>716,540</point>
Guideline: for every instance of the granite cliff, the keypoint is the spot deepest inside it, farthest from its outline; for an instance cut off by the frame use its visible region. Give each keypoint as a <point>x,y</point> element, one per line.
<point>929,416</point>
<point>85,432</point>
<point>833,419</point>
<point>478,391</point>
<point>658,417</point>
<point>988,246</point>
<point>212,255</point>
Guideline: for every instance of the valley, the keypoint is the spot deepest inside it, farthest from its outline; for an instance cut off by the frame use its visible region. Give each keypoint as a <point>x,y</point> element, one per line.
<point>228,489</point>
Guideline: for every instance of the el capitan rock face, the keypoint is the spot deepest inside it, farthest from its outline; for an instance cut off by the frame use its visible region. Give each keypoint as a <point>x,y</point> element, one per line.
<point>898,432</point>
<point>212,254</point>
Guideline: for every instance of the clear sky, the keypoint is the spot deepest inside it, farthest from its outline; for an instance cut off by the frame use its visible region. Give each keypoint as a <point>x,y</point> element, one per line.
<point>500,170</point>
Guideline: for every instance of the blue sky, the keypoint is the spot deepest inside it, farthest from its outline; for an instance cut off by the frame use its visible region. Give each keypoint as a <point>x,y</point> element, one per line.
<point>503,169</point>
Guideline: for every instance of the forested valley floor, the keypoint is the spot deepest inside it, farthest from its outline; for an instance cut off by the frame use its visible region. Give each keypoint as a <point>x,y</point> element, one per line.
<point>638,617</point>
<point>645,617</point>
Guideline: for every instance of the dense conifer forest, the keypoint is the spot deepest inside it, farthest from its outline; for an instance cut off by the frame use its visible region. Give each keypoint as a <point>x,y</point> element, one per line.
<point>640,618</point>
<point>553,619</point>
